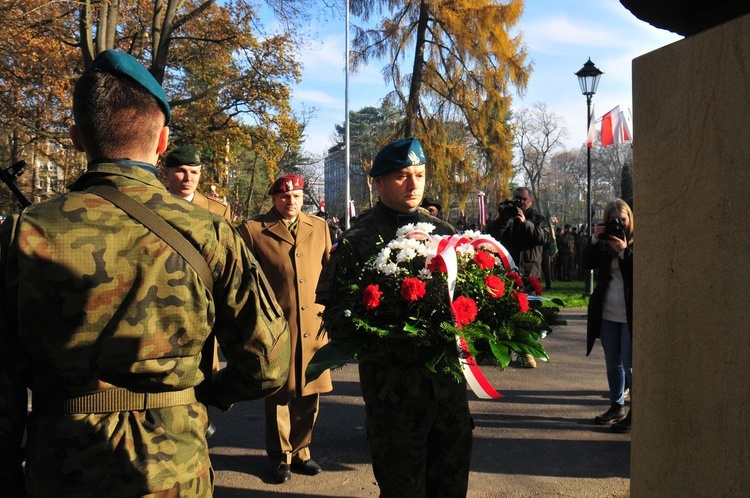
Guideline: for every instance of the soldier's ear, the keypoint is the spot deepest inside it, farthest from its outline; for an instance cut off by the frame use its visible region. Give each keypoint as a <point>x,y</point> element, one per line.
<point>75,136</point>
<point>161,146</point>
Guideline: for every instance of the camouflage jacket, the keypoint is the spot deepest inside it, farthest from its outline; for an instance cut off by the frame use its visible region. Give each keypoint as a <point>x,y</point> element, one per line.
<point>90,300</point>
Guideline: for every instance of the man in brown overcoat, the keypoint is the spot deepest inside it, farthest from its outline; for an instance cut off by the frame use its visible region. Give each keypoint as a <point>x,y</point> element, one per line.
<point>292,248</point>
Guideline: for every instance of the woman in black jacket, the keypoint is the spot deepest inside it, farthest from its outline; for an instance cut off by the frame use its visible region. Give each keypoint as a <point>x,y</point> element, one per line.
<point>610,312</point>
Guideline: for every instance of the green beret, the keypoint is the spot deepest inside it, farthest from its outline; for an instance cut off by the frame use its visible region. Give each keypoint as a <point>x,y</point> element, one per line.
<point>121,64</point>
<point>185,155</point>
<point>398,155</point>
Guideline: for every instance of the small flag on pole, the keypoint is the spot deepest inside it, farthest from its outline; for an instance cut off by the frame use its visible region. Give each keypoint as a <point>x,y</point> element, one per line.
<point>615,128</point>
<point>352,211</point>
<point>482,215</point>
<point>591,137</point>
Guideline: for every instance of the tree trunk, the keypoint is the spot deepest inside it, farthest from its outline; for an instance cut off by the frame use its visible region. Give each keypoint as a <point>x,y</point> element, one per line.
<point>412,106</point>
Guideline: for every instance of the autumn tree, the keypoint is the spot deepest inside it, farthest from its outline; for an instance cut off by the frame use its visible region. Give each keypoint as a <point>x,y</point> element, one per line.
<point>35,88</point>
<point>454,74</point>
<point>228,81</point>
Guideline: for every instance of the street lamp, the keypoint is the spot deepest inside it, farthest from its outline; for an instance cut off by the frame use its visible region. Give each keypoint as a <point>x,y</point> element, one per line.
<point>588,78</point>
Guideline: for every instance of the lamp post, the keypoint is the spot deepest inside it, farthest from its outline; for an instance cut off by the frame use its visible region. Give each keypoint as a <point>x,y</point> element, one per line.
<point>588,78</point>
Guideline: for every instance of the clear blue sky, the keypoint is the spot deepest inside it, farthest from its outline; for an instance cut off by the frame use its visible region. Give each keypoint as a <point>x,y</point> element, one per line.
<point>560,36</point>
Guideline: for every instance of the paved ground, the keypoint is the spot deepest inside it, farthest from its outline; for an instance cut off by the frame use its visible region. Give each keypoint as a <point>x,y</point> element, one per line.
<point>538,441</point>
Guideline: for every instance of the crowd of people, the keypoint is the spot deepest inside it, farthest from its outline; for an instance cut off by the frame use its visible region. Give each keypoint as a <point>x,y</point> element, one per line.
<point>143,283</point>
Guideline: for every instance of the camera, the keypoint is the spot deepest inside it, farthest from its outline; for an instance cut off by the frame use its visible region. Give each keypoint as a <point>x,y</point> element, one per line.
<point>614,227</point>
<point>509,208</point>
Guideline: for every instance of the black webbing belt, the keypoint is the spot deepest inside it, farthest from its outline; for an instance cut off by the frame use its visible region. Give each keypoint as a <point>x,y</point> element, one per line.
<point>117,399</point>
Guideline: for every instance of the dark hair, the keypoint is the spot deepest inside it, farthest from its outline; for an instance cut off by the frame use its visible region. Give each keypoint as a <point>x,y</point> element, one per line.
<point>115,115</point>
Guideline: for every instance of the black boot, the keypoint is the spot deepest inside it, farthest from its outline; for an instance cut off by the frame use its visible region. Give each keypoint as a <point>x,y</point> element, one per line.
<point>623,426</point>
<point>615,413</point>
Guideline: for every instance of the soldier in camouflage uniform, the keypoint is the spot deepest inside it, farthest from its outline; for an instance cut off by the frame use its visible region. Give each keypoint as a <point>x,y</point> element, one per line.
<point>104,321</point>
<point>418,422</point>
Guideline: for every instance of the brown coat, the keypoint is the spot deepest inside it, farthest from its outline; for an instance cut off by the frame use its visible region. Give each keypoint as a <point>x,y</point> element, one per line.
<point>213,205</point>
<point>293,268</point>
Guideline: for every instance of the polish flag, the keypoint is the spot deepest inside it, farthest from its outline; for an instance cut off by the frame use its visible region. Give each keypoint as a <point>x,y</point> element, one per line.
<point>482,215</point>
<point>352,211</point>
<point>615,128</point>
<point>591,137</point>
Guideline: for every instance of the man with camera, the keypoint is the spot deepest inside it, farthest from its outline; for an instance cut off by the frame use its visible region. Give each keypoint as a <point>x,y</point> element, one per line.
<point>522,230</point>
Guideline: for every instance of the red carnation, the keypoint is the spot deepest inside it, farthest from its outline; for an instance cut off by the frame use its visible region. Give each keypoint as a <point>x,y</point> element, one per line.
<point>371,296</point>
<point>494,285</point>
<point>484,260</point>
<point>536,285</point>
<point>412,288</point>
<point>464,310</point>
<point>523,301</point>
<point>516,279</point>
<point>437,264</point>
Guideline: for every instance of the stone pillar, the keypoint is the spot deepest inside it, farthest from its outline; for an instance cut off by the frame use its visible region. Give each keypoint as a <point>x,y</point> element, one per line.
<point>691,396</point>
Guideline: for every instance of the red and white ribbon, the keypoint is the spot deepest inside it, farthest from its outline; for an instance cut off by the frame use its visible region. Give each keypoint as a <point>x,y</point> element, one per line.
<point>473,374</point>
<point>500,250</point>
<point>445,248</point>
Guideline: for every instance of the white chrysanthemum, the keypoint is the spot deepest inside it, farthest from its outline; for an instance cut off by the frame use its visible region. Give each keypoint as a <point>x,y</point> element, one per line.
<point>425,274</point>
<point>347,313</point>
<point>471,234</point>
<point>413,243</point>
<point>389,269</point>
<point>465,250</point>
<point>405,230</point>
<point>422,250</point>
<point>382,257</point>
<point>397,244</point>
<point>425,227</point>
<point>406,254</point>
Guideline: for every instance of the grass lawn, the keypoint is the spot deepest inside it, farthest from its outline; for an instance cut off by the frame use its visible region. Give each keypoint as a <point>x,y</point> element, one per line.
<point>569,292</point>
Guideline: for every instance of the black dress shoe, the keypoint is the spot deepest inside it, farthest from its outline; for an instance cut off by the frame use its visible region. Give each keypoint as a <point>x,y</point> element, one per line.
<point>281,474</point>
<point>615,413</point>
<point>308,467</point>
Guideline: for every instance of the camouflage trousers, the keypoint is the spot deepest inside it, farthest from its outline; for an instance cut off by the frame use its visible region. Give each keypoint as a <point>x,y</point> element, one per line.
<point>418,430</point>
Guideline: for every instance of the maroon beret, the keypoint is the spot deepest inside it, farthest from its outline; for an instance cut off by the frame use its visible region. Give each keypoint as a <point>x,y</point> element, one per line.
<point>287,183</point>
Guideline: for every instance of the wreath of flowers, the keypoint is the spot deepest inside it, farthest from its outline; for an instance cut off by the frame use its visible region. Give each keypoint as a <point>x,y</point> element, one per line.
<point>402,298</point>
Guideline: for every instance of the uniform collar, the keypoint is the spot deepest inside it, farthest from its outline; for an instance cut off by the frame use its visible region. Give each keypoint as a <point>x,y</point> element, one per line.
<point>400,218</point>
<point>134,170</point>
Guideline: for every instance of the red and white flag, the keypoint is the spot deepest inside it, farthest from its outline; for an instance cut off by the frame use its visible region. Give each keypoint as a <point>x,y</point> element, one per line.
<point>615,128</point>
<point>482,214</point>
<point>352,211</point>
<point>591,137</point>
